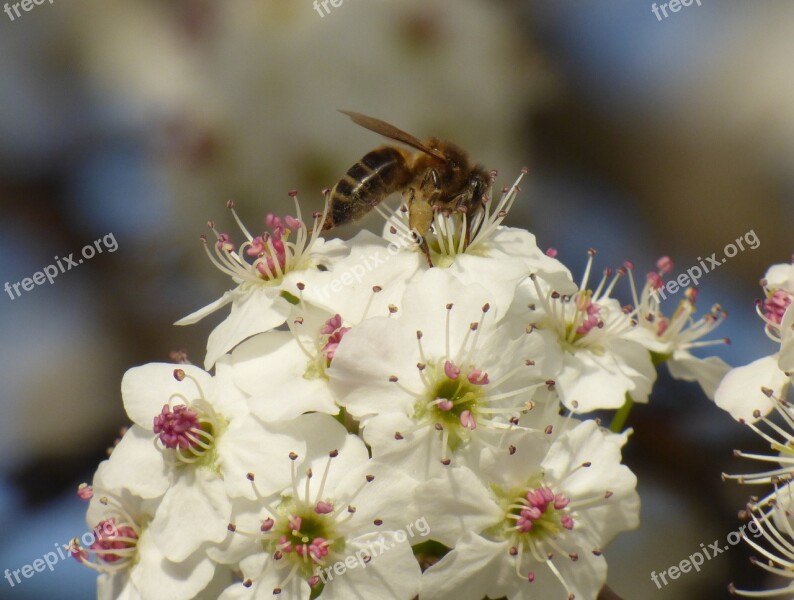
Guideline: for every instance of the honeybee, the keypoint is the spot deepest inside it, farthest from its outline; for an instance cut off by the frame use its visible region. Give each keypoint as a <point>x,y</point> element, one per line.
<point>438,178</point>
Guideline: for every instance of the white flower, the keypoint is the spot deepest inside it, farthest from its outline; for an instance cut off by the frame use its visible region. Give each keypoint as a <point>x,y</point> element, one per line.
<point>672,338</point>
<point>534,521</point>
<point>602,363</point>
<point>479,249</point>
<point>193,443</point>
<point>430,383</point>
<point>341,508</point>
<point>267,269</point>
<point>748,392</point>
<point>130,562</point>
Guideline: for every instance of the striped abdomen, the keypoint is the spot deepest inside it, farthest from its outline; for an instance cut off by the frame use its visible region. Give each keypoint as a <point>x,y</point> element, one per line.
<point>381,172</point>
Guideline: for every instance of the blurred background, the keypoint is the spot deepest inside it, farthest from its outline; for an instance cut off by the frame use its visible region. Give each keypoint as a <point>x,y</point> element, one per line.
<point>644,137</point>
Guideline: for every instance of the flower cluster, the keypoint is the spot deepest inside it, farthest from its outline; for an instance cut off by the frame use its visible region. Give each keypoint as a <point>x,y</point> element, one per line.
<point>325,423</point>
<point>756,395</point>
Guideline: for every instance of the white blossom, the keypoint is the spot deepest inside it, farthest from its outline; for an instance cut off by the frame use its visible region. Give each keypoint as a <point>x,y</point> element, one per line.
<point>266,270</point>
<point>130,563</point>
<point>355,388</point>
<point>192,443</point>
<point>338,505</point>
<point>747,392</point>
<point>671,338</point>
<point>533,521</point>
<point>430,382</point>
<point>602,362</point>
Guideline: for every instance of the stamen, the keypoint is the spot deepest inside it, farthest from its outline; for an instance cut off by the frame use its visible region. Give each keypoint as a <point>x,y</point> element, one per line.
<point>331,455</point>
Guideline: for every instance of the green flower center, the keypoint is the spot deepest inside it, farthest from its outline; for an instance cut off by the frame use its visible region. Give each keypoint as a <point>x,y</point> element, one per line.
<point>532,513</point>
<point>451,402</point>
<point>303,536</point>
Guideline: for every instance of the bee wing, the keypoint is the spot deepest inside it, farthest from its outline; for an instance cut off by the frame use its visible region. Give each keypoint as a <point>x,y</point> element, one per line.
<point>390,131</point>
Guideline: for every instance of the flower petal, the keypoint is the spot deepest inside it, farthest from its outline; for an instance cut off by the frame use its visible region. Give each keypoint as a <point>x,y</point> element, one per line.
<point>589,381</point>
<point>604,476</point>
<point>346,288</point>
<point>196,316</point>
<point>476,568</point>
<point>500,277</point>
<point>780,275</point>
<point>363,363</point>
<point>260,310</point>
<point>137,465</point>
<point>708,372</point>
<point>417,452</point>
<point>274,361</point>
<point>195,510</point>
<point>740,391</point>
<point>154,576</point>
<point>510,467</point>
<point>519,243</point>
<point>455,503</point>
<point>264,582</point>
<point>786,360</point>
<point>248,446</point>
<point>146,389</point>
<point>387,498</point>
<point>394,575</point>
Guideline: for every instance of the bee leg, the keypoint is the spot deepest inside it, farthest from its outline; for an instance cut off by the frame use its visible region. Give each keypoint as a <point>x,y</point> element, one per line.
<point>420,218</point>
<point>425,250</point>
